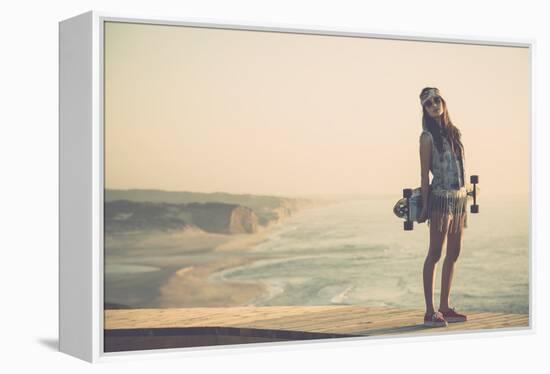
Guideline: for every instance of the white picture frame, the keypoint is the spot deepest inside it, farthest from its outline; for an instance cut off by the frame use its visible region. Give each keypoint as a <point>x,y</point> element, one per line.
<point>81,168</point>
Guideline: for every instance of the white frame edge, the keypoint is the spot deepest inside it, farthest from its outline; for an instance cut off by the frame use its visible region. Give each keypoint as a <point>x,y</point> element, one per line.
<point>76,304</point>
<point>81,184</point>
<point>80,188</point>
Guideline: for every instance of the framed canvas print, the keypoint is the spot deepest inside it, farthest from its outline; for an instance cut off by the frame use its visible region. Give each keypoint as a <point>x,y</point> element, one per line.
<point>260,185</point>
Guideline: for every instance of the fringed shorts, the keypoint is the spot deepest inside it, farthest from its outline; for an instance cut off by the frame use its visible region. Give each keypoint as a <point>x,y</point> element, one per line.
<point>444,205</point>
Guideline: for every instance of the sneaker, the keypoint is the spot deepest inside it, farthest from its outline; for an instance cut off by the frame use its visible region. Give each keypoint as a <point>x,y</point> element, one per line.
<point>436,319</point>
<point>452,316</point>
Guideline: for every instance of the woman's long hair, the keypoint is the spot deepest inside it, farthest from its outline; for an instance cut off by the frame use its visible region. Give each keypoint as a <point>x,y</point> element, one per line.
<point>447,129</point>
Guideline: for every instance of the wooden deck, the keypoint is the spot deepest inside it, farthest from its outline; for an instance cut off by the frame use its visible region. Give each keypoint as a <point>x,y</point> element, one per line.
<point>131,329</point>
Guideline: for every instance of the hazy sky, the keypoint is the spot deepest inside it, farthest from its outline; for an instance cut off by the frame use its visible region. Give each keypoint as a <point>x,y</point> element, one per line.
<point>206,110</point>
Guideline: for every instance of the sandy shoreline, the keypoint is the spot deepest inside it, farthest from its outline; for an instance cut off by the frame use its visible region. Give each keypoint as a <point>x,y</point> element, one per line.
<point>191,287</point>
<point>187,260</point>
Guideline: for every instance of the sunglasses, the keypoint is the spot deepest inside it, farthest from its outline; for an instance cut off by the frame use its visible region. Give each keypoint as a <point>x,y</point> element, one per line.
<point>429,103</point>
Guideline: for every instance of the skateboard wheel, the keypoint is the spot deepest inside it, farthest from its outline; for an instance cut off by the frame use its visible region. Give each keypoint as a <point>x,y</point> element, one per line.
<point>408,225</point>
<point>474,208</point>
<point>407,192</point>
<point>474,179</point>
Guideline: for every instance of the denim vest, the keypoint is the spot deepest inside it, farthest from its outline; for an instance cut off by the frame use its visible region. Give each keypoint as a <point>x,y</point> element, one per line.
<point>448,193</point>
<point>446,167</point>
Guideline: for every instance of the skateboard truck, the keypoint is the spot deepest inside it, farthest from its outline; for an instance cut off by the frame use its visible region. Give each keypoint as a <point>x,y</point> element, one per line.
<point>408,224</point>
<point>474,179</point>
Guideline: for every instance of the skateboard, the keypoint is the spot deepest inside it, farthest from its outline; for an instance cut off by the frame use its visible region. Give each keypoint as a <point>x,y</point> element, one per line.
<point>409,206</point>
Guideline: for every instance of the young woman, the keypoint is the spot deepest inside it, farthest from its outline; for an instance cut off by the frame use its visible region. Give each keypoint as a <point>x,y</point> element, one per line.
<point>442,153</point>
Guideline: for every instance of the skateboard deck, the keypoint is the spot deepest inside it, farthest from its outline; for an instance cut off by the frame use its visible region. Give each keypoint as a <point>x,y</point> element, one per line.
<point>415,205</point>
<point>409,206</point>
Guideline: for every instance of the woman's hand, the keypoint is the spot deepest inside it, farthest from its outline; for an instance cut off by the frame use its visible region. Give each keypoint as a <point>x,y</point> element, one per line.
<point>423,216</point>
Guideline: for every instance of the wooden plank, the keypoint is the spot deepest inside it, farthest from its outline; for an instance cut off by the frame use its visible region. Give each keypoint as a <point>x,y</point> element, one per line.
<point>253,318</point>
<point>351,324</point>
<point>491,323</point>
<point>331,322</point>
<point>358,320</point>
<point>310,319</point>
<point>406,320</point>
<point>206,316</point>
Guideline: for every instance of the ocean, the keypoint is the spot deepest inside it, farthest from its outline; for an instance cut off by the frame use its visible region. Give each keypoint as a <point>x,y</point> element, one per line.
<point>357,253</point>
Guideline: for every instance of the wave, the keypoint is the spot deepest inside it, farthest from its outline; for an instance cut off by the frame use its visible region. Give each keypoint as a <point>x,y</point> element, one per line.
<point>339,298</point>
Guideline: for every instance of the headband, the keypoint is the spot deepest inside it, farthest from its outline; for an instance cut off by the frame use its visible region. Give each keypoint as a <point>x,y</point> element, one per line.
<point>428,94</point>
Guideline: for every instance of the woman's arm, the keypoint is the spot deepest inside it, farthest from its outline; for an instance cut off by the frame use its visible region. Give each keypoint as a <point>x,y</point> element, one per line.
<point>425,162</point>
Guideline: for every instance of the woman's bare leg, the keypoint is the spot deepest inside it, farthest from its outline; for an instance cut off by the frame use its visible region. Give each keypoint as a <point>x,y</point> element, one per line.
<point>454,244</point>
<point>437,240</point>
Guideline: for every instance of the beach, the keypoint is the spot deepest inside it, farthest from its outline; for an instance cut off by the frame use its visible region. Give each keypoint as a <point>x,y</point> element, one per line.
<point>174,269</point>
<point>349,253</point>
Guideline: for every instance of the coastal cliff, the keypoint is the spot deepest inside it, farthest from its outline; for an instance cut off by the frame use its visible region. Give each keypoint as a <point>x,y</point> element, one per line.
<point>144,210</point>
<point>223,218</point>
<point>124,216</point>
